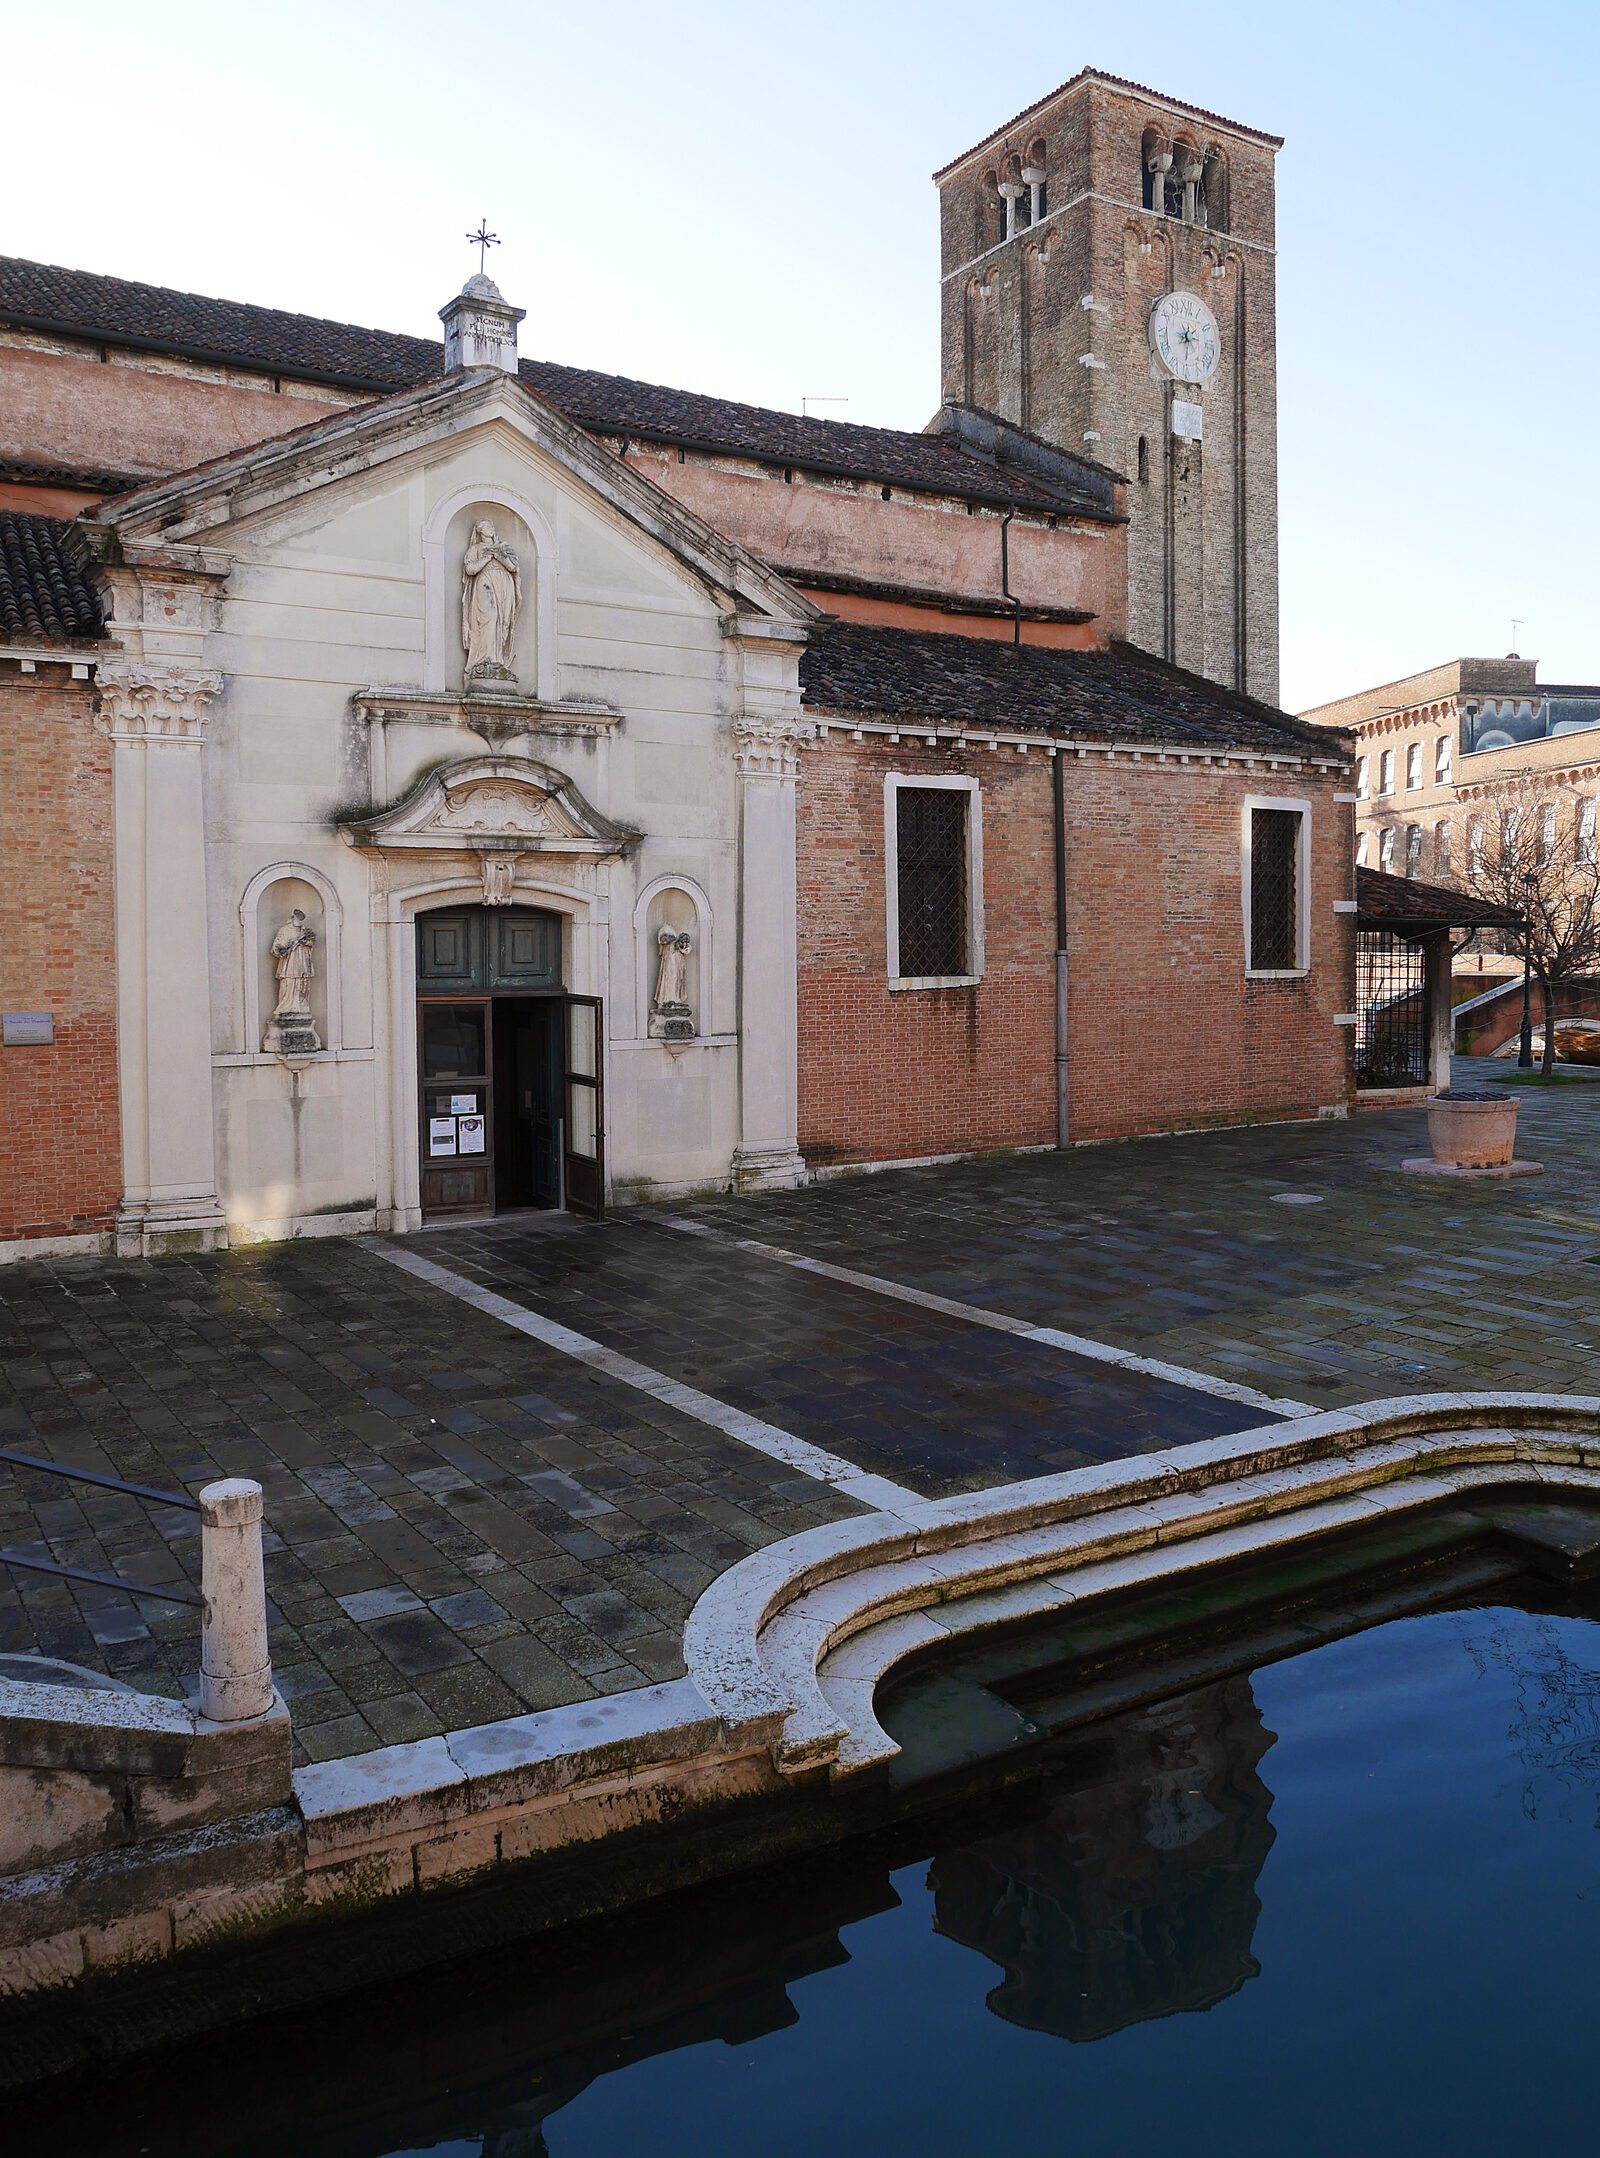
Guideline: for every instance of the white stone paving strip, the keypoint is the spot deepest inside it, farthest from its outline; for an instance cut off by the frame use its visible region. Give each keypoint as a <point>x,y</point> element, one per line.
<point>1052,1337</point>
<point>770,1439</point>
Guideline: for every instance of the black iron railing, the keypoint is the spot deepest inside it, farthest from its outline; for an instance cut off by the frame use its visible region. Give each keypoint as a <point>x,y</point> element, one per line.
<point>147,1492</point>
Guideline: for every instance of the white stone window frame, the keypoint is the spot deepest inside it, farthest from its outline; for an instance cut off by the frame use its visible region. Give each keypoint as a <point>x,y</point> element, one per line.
<point>1302,885</point>
<point>329,956</point>
<point>955,783</point>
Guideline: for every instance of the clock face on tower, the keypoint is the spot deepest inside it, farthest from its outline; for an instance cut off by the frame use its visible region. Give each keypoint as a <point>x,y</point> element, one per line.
<point>1184,336</point>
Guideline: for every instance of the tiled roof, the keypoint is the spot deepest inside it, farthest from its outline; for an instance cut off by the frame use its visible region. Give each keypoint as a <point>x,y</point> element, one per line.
<point>45,589</point>
<point>1386,902</point>
<point>1120,695</point>
<point>232,333</point>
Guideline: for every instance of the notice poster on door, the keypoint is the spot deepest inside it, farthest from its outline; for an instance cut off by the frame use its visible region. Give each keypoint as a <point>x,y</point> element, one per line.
<point>463,1105</point>
<point>469,1134</point>
<point>441,1135</point>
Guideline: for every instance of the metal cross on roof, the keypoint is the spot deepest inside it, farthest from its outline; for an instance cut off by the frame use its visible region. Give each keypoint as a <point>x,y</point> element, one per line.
<point>483,239</point>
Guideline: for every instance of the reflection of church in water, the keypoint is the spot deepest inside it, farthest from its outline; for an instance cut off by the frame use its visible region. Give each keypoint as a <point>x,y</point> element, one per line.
<point>1132,1894</point>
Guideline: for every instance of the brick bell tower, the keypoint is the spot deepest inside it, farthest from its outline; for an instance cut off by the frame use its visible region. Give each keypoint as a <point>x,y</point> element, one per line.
<point>1108,283</point>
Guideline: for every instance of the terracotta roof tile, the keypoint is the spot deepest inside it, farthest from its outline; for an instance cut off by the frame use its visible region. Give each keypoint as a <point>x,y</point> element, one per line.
<point>1115,695</point>
<point>1403,902</point>
<point>233,333</point>
<point>46,592</point>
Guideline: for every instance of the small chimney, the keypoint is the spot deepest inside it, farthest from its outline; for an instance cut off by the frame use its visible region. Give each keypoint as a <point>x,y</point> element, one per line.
<point>480,328</point>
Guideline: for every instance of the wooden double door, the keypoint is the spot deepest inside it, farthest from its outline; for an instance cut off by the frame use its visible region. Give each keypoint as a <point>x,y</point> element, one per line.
<point>511,1093</point>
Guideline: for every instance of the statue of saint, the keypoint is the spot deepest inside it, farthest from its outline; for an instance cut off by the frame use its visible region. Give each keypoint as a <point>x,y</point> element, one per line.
<point>672,973</point>
<point>292,948</point>
<point>491,593</point>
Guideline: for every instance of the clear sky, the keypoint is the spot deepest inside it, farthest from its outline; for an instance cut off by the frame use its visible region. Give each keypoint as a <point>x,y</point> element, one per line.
<point>737,199</point>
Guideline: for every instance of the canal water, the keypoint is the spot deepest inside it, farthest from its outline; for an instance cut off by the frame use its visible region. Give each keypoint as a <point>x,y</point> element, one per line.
<point>1349,1902</point>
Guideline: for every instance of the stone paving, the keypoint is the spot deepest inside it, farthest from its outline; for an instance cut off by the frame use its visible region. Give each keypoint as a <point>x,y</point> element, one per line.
<point>461,1525</point>
<point>464,1522</point>
<point>1294,1258</point>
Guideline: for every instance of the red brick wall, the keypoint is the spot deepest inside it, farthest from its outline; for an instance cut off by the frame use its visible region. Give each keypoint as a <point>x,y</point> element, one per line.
<point>60,1162</point>
<point>885,1074</point>
<point>1164,1029</point>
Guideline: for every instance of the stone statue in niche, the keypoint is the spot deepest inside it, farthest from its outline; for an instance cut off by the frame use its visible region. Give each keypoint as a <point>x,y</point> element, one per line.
<point>290,1031</point>
<point>670,1013</point>
<point>491,593</point>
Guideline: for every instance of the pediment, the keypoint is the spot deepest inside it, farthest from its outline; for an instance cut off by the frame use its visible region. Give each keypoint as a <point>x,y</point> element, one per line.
<point>490,805</point>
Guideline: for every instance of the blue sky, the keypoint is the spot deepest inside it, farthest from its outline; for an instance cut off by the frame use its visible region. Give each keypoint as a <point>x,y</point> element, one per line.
<point>737,199</point>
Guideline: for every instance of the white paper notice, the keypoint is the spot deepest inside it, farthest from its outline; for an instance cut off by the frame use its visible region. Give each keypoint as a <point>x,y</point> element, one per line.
<point>441,1135</point>
<point>470,1129</point>
<point>463,1105</point>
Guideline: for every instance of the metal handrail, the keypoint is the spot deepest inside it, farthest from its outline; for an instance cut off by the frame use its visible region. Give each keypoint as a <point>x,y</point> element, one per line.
<point>106,1483</point>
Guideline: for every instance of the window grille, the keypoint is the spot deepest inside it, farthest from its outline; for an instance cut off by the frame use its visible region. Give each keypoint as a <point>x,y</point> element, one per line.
<point>1274,890</point>
<point>931,876</point>
<point>1391,1011</point>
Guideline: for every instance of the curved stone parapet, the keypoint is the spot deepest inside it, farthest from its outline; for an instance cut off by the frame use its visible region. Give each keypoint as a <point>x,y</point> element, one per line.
<point>789,1646</point>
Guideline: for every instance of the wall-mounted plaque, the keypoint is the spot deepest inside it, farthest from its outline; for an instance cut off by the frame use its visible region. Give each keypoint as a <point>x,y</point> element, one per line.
<point>26,1030</point>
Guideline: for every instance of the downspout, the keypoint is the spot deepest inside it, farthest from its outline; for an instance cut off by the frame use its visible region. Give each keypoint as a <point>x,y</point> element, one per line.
<point>1058,786</point>
<point>1005,577</point>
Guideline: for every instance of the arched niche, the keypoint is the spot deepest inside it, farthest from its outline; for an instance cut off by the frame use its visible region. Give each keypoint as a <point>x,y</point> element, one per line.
<point>677,906</point>
<point>270,900</point>
<point>520,524</point>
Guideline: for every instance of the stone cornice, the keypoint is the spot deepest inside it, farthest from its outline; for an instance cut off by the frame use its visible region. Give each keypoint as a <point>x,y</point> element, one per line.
<point>498,719</point>
<point>492,805</point>
<point>146,700</point>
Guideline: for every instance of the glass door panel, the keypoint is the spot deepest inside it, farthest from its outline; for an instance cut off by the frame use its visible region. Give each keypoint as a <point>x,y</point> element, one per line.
<point>583,1148</point>
<point>457,1138</point>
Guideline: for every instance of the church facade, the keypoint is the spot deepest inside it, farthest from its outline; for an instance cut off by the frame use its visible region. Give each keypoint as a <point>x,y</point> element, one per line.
<point>479,784</point>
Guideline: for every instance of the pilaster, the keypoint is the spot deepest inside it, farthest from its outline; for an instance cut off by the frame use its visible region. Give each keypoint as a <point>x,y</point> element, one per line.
<point>769,730</point>
<point>155,712</point>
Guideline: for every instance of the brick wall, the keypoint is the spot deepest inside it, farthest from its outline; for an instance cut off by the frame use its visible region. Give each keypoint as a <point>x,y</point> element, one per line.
<point>1164,1029</point>
<point>60,1162</point>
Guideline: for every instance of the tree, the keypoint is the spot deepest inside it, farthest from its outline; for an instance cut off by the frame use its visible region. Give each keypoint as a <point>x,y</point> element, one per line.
<point>1528,849</point>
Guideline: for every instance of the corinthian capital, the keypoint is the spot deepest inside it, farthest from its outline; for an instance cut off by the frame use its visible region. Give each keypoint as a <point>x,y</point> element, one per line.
<point>147,700</point>
<point>770,748</point>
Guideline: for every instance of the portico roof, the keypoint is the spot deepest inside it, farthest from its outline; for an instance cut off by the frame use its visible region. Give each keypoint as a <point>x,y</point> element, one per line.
<point>1410,908</point>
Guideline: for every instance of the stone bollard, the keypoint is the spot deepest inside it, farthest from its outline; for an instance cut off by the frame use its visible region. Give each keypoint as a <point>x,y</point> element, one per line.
<point>235,1668</point>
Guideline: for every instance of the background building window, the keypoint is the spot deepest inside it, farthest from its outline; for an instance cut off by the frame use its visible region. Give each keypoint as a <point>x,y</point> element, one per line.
<point>1413,849</point>
<point>1547,833</point>
<point>1386,848</point>
<point>1386,772</point>
<point>1474,845</point>
<point>931,881</point>
<point>1361,779</point>
<point>1585,831</point>
<point>1275,890</point>
<point>1442,765</point>
<point>1441,849</point>
<point>1413,764</point>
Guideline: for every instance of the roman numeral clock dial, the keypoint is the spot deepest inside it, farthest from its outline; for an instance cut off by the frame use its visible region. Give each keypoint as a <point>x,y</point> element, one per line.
<point>1184,336</point>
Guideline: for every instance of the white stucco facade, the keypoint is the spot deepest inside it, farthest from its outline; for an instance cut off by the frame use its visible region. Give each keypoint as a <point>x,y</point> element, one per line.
<point>292,729</point>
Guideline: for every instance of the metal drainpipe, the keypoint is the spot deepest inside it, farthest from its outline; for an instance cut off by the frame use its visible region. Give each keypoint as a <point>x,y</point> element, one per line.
<point>1058,785</point>
<point>1005,577</point>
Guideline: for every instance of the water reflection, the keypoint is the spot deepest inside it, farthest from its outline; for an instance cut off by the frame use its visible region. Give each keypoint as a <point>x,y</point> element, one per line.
<point>1133,1894</point>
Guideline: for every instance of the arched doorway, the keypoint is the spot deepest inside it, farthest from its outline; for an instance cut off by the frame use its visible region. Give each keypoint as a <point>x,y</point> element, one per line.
<point>510,1093</point>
